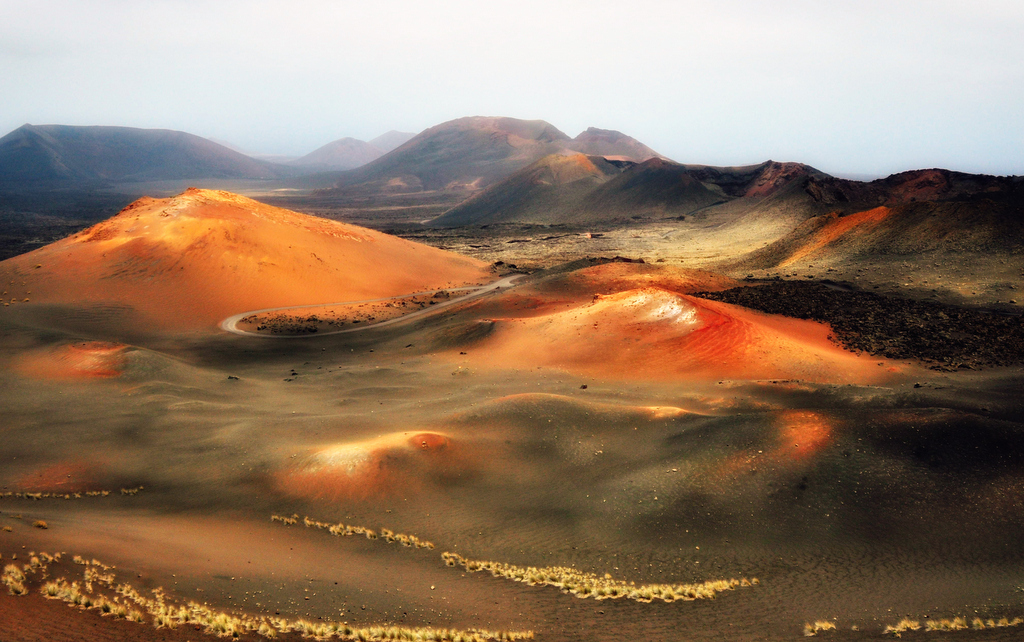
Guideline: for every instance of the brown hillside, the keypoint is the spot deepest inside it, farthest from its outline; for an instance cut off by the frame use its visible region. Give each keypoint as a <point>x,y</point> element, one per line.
<point>991,224</point>
<point>472,153</point>
<point>608,142</point>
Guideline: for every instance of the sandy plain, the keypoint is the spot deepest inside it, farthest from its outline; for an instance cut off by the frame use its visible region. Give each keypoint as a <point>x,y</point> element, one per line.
<point>679,440</point>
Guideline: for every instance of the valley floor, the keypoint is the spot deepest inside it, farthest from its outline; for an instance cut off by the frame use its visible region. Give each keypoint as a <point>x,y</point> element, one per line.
<point>616,429</point>
<point>859,503</point>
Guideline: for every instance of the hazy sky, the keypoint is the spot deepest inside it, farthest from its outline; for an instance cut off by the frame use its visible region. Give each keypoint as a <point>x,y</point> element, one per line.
<point>847,86</point>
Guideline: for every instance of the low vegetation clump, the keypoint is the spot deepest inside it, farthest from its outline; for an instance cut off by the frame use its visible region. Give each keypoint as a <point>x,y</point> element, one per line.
<point>99,590</point>
<point>819,626</point>
<point>956,624</point>
<point>14,579</point>
<point>584,585</point>
<point>979,624</point>
<point>952,624</point>
<point>904,625</point>
<point>339,530</point>
<point>76,495</point>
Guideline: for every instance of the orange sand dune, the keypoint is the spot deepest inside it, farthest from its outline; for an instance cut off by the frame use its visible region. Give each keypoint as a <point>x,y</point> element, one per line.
<point>87,360</point>
<point>403,461</point>
<point>571,289</point>
<point>70,476</point>
<point>647,412</point>
<point>652,333</point>
<point>535,404</point>
<point>609,278</point>
<point>801,435</point>
<point>518,402</point>
<point>190,261</point>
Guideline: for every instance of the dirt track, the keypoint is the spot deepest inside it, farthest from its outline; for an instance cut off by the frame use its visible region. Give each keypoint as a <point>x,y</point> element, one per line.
<point>231,323</point>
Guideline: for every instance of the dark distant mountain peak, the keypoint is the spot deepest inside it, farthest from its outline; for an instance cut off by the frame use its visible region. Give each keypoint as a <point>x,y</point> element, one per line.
<point>474,152</point>
<point>608,142</point>
<point>391,140</point>
<point>64,154</point>
<point>338,155</point>
<point>463,154</point>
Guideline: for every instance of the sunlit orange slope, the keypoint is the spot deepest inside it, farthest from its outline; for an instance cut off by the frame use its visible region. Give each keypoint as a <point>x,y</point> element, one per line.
<point>189,261</point>
<point>652,333</point>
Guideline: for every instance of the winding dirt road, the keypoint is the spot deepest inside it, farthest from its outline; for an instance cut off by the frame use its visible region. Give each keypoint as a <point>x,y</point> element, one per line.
<point>230,324</point>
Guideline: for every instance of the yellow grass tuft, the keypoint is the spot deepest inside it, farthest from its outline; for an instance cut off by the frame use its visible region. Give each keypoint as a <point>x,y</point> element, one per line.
<point>339,530</point>
<point>100,591</point>
<point>952,624</point>
<point>904,625</point>
<point>584,585</point>
<point>88,493</point>
<point>14,579</point>
<point>956,624</point>
<point>811,630</point>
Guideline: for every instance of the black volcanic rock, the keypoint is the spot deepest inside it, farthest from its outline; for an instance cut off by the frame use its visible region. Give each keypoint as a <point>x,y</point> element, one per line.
<point>947,337</point>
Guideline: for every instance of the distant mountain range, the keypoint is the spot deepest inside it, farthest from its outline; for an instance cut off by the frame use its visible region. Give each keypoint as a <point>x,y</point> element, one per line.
<point>495,170</point>
<point>61,154</point>
<point>589,189</point>
<point>464,154</point>
<point>584,189</point>
<point>475,152</point>
<point>350,153</point>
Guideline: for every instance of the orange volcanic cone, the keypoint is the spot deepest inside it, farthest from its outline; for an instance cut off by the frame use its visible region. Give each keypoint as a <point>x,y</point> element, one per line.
<point>653,333</point>
<point>190,261</point>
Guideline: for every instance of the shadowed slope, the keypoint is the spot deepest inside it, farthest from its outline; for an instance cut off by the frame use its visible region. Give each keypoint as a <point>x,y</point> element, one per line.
<point>191,260</point>
<point>656,188</point>
<point>910,186</point>
<point>549,190</point>
<point>988,222</point>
